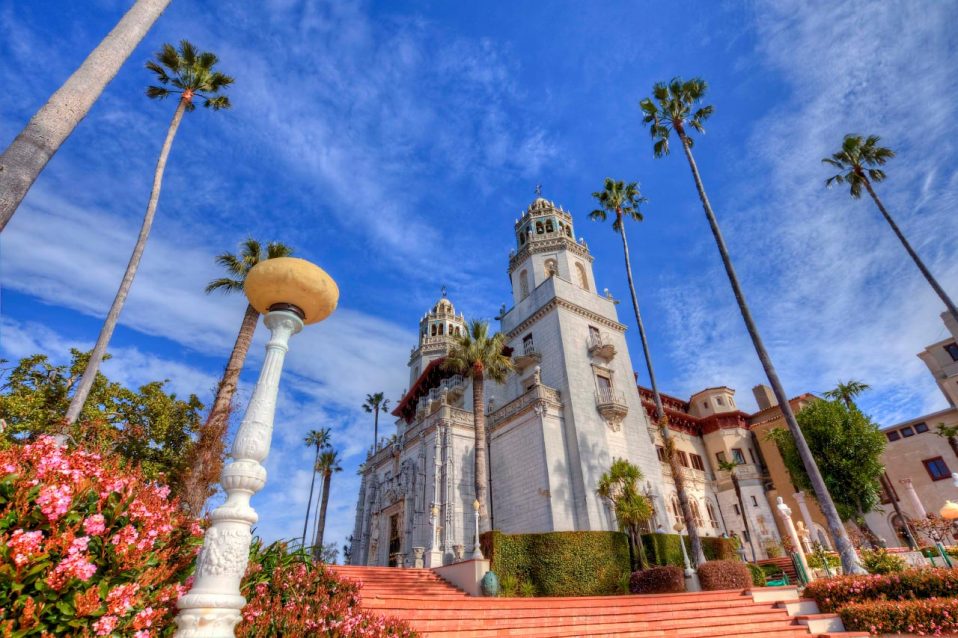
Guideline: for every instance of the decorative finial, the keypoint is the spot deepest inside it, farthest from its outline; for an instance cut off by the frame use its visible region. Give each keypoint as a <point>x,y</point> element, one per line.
<point>538,190</point>
<point>444,292</point>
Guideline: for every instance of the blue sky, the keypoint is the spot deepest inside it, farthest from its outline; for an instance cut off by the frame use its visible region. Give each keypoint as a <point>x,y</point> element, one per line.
<point>395,143</point>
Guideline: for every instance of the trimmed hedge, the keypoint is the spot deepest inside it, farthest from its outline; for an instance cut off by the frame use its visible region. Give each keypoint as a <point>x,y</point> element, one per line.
<point>724,574</point>
<point>932,617</point>
<point>561,563</point>
<point>658,580</point>
<point>664,549</point>
<point>832,594</point>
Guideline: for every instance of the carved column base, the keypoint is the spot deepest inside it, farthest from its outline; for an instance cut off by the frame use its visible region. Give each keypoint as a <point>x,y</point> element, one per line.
<point>434,558</point>
<point>208,622</point>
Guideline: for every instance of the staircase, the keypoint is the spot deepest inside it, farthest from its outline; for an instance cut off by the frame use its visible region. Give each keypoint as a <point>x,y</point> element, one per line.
<point>436,609</point>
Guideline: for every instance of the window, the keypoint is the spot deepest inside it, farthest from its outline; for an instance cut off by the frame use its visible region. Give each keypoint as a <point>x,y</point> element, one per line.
<point>696,515</point>
<point>737,456</point>
<point>550,227</point>
<point>697,462</point>
<point>907,431</point>
<point>711,512</point>
<point>594,336</point>
<point>434,330</point>
<point>745,536</point>
<point>705,405</point>
<point>719,401</point>
<point>738,512</point>
<point>893,435</point>
<point>720,456</point>
<point>660,452</point>
<point>583,278</point>
<point>751,455</point>
<point>754,501</point>
<point>952,349</point>
<point>937,469</point>
<point>603,383</point>
<point>683,458</point>
<point>527,346</point>
<point>677,509</point>
<point>524,283</point>
<point>921,427</point>
<point>442,327</point>
<point>539,228</point>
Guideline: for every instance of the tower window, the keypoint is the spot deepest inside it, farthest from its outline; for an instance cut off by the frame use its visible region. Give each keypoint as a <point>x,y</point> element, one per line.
<point>441,328</point>
<point>568,231</point>
<point>737,456</point>
<point>754,501</point>
<point>434,330</point>
<point>550,227</point>
<point>528,347</point>
<point>583,278</point>
<point>524,284</point>
<point>539,228</point>
<point>952,349</point>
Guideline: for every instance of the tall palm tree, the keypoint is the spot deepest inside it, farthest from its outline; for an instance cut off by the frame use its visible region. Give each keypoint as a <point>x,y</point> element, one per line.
<point>477,355</point>
<point>846,392</point>
<point>192,76</point>
<point>622,200</point>
<point>671,109</point>
<point>620,486</point>
<point>950,434</point>
<point>25,158</point>
<point>374,404</point>
<point>327,464</point>
<point>206,457</point>
<point>729,466</point>
<point>857,162</point>
<point>318,439</point>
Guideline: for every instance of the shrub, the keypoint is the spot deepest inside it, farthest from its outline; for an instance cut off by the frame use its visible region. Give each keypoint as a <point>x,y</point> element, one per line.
<point>290,595</point>
<point>508,586</point>
<point>757,574</point>
<point>934,616</point>
<point>772,548</point>
<point>664,549</point>
<point>527,590</point>
<point>724,574</point>
<point>561,563</point>
<point>667,579</point>
<point>832,594</point>
<point>879,561</point>
<point>87,546</point>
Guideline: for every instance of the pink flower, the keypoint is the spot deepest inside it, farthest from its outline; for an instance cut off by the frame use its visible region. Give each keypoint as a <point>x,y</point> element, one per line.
<point>143,633</point>
<point>76,565</point>
<point>54,501</point>
<point>121,599</point>
<point>94,525</point>
<point>105,625</point>
<point>24,544</point>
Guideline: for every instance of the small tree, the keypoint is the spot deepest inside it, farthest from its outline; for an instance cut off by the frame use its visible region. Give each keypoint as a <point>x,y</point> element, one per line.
<point>620,487</point>
<point>950,434</point>
<point>847,447</point>
<point>376,403</point>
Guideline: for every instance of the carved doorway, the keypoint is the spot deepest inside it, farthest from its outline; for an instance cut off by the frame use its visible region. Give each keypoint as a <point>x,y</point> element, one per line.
<point>395,540</point>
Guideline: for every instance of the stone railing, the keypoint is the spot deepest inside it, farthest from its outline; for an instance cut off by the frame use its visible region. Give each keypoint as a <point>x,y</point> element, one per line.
<point>606,396</point>
<point>535,395</point>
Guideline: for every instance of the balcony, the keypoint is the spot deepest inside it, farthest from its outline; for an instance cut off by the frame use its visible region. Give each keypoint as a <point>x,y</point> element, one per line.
<point>528,357</point>
<point>612,406</point>
<point>601,347</point>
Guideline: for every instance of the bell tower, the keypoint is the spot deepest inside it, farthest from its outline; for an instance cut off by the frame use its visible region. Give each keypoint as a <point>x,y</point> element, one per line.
<point>438,328</point>
<point>546,247</point>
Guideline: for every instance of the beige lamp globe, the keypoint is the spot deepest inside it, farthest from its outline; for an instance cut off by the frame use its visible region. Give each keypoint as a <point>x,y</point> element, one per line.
<point>949,511</point>
<point>289,280</point>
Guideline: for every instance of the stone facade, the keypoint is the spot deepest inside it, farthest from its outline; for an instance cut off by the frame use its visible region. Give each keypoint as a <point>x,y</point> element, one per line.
<point>554,426</point>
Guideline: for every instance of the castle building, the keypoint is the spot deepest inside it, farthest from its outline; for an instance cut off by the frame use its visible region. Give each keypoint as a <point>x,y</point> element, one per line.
<point>554,426</point>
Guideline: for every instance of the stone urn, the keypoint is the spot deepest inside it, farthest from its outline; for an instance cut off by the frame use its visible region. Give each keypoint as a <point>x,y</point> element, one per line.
<point>459,552</point>
<point>489,584</point>
<point>418,554</point>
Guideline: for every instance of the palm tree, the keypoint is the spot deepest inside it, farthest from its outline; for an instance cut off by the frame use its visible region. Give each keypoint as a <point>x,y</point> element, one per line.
<point>206,457</point>
<point>318,439</point>
<point>374,404</point>
<point>857,162</point>
<point>949,433</point>
<point>620,486</point>
<point>477,355</point>
<point>729,466</point>
<point>623,200</point>
<point>847,391</point>
<point>671,109</point>
<point>25,158</point>
<point>327,464</point>
<point>191,75</point>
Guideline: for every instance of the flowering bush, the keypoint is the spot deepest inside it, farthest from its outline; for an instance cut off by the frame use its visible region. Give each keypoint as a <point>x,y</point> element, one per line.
<point>87,548</point>
<point>879,561</point>
<point>667,579</point>
<point>832,594</point>
<point>289,595</point>
<point>724,574</point>
<point>931,617</point>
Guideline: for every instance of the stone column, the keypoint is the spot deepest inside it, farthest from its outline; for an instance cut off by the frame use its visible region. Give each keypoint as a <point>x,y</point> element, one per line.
<point>803,509</point>
<point>434,559</point>
<point>212,607</point>
<point>913,498</point>
<point>786,513</point>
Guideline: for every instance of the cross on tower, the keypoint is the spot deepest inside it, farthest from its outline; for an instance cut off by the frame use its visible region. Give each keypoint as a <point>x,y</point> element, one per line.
<point>444,292</point>
<point>538,190</point>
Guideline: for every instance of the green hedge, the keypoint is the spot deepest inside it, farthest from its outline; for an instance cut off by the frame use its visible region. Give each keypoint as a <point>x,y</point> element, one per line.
<point>664,549</point>
<point>562,563</point>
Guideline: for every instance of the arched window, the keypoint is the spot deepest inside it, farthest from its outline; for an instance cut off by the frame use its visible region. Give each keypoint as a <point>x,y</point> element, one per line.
<point>524,284</point>
<point>696,514</point>
<point>434,330</point>
<point>550,227</point>
<point>568,231</point>
<point>442,327</point>
<point>677,509</point>
<point>713,521</point>
<point>539,229</point>
<point>522,239</point>
<point>583,278</point>
<point>551,267</point>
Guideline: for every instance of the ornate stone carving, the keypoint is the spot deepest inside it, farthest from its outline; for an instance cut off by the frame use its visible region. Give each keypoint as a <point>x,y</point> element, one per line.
<point>225,553</point>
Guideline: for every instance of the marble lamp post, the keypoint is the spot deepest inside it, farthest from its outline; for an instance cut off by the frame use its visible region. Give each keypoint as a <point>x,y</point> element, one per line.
<point>678,527</point>
<point>476,550</point>
<point>290,292</point>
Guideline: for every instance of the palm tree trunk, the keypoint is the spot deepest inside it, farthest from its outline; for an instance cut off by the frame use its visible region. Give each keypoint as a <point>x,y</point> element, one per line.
<point>99,350</point>
<point>850,562</point>
<point>315,534</point>
<point>22,162</point>
<point>886,485</point>
<point>698,554</point>
<point>309,502</point>
<point>376,431</point>
<point>482,476</point>
<point>206,458</point>
<point>640,547</point>
<point>914,255</point>
<point>321,530</point>
<point>741,504</point>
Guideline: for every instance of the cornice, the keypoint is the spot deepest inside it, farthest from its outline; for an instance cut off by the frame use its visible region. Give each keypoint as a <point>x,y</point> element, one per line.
<point>548,245</point>
<point>557,302</point>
